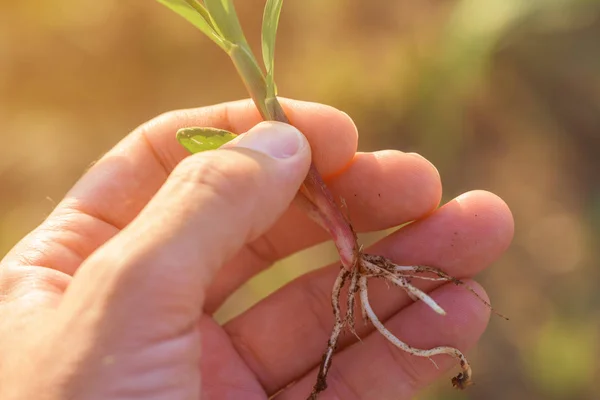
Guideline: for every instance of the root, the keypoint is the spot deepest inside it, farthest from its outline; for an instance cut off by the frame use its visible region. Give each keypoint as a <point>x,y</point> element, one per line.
<point>367,266</point>
<point>338,326</point>
<point>352,291</point>
<point>442,276</point>
<point>403,282</point>
<point>461,381</point>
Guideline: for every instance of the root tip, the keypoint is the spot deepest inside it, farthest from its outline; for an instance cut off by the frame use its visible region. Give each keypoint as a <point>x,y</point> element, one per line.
<point>462,381</point>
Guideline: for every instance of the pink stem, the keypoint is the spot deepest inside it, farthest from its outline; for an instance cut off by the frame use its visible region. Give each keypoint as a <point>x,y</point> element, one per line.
<point>334,220</point>
<point>319,203</point>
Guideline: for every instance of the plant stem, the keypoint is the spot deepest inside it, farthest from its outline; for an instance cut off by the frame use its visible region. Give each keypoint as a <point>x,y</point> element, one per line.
<point>314,188</point>
<point>253,78</point>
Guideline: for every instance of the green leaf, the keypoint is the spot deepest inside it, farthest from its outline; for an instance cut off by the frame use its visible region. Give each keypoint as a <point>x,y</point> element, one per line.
<point>202,11</point>
<point>196,140</point>
<point>269,33</point>
<point>195,13</point>
<point>226,21</point>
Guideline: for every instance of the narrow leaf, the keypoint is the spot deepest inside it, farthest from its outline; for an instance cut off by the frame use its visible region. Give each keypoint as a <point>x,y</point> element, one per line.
<point>226,21</point>
<point>269,33</point>
<point>196,140</point>
<point>196,14</point>
<point>202,11</point>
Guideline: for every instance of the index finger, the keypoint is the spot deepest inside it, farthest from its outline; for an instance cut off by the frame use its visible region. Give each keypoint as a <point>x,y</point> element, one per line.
<point>120,184</point>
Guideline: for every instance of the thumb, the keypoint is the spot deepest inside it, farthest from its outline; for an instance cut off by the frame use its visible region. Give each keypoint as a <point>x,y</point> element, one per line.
<point>210,206</point>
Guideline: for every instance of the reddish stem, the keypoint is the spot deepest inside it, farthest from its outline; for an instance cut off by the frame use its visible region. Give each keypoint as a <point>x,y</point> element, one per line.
<point>335,221</point>
<point>320,205</point>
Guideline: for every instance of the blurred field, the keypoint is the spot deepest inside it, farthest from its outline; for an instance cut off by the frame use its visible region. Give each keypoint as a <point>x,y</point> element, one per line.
<point>502,95</point>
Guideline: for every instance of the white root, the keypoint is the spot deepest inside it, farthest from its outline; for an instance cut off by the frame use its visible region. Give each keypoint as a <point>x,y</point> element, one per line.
<point>352,291</point>
<point>368,266</point>
<point>401,281</point>
<point>461,381</point>
<point>418,293</point>
<point>426,278</point>
<point>442,276</point>
<point>338,326</point>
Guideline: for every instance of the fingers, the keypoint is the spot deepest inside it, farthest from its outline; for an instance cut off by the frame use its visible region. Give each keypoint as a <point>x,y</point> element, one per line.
<point>283,336</point>
<point>158,268</point>
<point>118,186</point>
<point>381,190</point>
<point>387,188</point>
<point>375,369</point>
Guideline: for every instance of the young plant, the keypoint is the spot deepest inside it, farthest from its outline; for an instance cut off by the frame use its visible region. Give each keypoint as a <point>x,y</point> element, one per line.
<point>218,20</point>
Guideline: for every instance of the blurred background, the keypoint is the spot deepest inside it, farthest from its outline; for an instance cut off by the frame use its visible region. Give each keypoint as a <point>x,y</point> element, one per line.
<point>502,95</point>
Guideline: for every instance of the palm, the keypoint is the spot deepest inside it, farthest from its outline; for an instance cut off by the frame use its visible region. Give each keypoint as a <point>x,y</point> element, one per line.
<point>278,343</point>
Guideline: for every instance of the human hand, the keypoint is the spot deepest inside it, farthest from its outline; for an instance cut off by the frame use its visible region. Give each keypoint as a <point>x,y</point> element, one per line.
<point>111,297</point>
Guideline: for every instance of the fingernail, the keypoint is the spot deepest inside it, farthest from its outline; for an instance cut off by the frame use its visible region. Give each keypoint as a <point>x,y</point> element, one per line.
<point>274,139</point>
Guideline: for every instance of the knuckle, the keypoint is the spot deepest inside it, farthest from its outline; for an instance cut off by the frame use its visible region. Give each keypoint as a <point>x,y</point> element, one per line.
<point>168,118</point>
<point>184,117</point>
<point>18,282</point>
<point>225,175</point>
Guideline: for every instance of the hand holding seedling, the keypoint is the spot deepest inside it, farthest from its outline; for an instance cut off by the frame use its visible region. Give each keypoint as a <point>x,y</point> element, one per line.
<point>112,296</point>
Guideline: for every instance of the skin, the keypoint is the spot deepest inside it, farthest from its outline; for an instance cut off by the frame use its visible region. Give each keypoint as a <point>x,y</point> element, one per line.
<point>111,296</point>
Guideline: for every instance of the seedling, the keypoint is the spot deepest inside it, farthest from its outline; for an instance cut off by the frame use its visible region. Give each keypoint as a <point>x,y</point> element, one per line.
<point>217,19</point>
